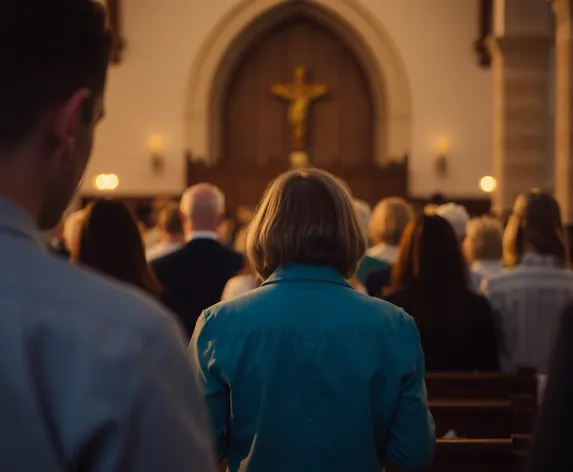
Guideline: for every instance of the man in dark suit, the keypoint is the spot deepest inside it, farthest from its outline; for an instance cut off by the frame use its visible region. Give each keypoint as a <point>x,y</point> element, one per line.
<point>196,274</point>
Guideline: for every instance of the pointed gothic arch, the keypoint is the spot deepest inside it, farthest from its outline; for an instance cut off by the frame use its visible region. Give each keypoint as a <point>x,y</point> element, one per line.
<point>228,41</point>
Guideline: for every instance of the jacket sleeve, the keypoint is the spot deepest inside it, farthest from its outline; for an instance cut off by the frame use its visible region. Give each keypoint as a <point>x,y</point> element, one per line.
<point>411,440</point>
<point>169,428</point>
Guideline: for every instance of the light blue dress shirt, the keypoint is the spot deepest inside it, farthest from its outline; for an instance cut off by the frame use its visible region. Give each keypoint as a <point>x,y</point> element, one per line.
<point>93,375</point>
<point>305,374</point>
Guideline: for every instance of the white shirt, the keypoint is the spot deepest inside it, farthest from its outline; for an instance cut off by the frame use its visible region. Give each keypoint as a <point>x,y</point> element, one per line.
<point>161,249</point>
<point>384,252</point>
<point>529,301</point>
<point>202,235</point>
<point>488,269</point>
<point>86,359</point>
<point>239,285</point>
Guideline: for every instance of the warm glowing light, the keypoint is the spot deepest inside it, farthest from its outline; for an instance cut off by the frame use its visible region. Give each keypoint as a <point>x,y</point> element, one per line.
<point>156,144</point>
<point>106,182</point>
<point>488,184</point>
<point>443,145</point>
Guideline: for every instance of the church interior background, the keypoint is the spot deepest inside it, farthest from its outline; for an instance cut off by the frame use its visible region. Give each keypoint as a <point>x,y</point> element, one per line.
<point>413,97</point>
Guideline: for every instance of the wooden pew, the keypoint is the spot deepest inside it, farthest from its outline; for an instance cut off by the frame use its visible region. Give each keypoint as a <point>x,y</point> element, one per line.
<point>481,455</point>
<point>473,418</point>
<point>476,405</point>
<point>482,385</point>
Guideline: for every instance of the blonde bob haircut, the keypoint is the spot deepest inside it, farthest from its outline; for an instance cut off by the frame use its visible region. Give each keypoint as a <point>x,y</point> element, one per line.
<point>306,217</point>
<point>535,221</point>
<point>483,239</point>
<point>389,220</point>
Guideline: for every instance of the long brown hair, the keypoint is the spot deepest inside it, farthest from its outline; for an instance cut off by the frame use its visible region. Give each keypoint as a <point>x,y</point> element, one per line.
<point>430,256</point>
<point>111,243</point>
<point>432,268</point>
<point>536,221</point>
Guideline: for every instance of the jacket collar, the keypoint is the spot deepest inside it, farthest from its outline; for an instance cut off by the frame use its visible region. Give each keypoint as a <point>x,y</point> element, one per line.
<point>15,222</point>
<point>306,273</point>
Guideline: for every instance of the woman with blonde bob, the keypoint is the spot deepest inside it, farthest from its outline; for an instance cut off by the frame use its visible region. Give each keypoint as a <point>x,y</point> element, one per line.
<point>482,246</point>
<point>305,373</point>
<point>390,218</point>
<point>531,296</point>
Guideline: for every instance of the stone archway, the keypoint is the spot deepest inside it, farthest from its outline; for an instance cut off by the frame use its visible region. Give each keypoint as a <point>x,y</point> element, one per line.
<point>229,39</point>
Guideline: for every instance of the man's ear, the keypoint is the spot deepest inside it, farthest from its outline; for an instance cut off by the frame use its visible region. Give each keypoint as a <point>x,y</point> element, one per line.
<point>68,119</point>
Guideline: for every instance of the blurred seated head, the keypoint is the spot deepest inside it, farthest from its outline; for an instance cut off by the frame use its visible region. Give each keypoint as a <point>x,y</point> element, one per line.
<point>430,209</point>
<point>483,239</point>
<point>169,222</point>
<point>245,214</point>
<point>305,217</point>
<point>202,207</point>
<point>111,243</point>
<point>364,215</point>
<point>72,228</point>
<point>535,226</point>
<point>457,216</point>
<point>430,258</point>
<point>389,220</point>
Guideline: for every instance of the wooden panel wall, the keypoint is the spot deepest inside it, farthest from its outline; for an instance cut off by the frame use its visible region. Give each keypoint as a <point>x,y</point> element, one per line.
<point>340,128</point>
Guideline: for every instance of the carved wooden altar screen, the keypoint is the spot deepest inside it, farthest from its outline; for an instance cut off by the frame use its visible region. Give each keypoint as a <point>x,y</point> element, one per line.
<point>257,138</point>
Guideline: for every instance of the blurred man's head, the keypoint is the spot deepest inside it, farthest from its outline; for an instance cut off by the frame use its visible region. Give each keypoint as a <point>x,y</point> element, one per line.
<point>54,57</point>
<point>202,207</point>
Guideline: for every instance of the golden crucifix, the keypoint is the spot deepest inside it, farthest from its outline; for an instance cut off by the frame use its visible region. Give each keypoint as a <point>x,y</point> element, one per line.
<point>300,95</point>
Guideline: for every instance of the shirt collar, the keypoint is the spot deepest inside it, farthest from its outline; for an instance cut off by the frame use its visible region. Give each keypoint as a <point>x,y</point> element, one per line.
<point>14,221</point>
<point>532,259</point>
<point>202,235</point>
<point>307,273</point>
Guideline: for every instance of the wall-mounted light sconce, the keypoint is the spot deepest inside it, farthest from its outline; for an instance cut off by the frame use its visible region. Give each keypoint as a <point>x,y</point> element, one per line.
<point>105,182</point>
<point>156,147</point>
<point>441,162</point>
<point>488,184</point>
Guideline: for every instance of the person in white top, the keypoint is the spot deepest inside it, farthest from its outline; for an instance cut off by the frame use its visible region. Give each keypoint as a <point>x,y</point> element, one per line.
<point>171,228</point>
<point>531,297</point>
<point>483,248</point>
<point>389,220</point>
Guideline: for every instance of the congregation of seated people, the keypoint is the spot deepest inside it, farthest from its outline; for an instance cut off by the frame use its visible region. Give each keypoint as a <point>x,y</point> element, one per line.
<point>299,336</point>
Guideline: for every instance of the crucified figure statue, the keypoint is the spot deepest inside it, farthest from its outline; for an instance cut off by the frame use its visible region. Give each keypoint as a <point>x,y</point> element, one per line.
<point>300,95</point>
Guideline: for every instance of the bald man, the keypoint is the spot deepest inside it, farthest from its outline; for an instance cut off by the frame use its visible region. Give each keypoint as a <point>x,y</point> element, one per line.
<point>197,273</point>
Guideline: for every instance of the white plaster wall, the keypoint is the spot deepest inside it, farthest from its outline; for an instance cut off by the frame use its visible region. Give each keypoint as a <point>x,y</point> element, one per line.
<point>451,96</point>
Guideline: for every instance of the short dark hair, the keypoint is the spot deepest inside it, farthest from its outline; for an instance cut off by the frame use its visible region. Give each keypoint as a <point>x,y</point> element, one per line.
<point>170,219</point>
<point>111,243</point>
<point>306,217</point>
<point>48,50</point>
